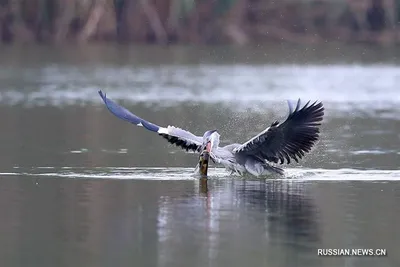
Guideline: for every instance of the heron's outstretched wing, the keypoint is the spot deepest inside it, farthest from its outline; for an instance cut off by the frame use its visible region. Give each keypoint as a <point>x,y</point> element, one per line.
<point>174,135</point>
<point>290,139</point>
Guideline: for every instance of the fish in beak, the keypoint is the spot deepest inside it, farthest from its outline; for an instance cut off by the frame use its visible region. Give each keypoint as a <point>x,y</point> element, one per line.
<point>204,158</point>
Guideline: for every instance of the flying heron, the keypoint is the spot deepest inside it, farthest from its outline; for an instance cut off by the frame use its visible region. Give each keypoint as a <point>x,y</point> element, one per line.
<point>259,156</point>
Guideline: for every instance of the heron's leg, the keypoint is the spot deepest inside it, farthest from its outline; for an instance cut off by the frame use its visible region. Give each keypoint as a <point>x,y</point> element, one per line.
<point>214,158</point>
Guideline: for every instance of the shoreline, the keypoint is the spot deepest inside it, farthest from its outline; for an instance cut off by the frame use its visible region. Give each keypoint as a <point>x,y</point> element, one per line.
<point>166,22</point>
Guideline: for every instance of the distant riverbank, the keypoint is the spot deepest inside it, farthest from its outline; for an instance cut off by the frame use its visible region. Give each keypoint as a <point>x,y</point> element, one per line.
<point>198,22</point>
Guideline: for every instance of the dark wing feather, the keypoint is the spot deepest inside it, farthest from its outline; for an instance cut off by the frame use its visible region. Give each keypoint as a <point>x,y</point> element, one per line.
<point>124,114</point>
<point>289,140</point>
<point>176,136</point>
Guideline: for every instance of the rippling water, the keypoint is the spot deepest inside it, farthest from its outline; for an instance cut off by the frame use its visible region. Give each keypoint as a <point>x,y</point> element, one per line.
<point>79,187</point>
<point>180,173</point>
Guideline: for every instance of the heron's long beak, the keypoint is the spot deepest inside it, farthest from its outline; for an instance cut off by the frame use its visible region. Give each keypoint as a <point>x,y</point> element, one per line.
<point>208,146</point>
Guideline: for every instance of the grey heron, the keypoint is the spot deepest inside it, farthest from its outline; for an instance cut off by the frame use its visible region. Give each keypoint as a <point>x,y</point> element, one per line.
<point>259,156</point>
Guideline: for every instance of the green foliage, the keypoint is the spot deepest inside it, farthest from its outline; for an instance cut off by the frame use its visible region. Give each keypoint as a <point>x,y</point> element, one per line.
<point>223,6</point>
<point>184,7</point>
<point>48,12</point>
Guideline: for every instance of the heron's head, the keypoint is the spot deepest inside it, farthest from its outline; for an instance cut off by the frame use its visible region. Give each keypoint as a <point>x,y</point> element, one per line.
<point>210,140</point>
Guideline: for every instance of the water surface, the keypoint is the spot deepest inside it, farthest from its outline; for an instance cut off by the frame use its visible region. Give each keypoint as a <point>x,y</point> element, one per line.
<point>79,187</point>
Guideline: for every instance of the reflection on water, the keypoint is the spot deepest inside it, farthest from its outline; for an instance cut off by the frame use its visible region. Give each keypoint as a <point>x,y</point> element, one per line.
<point>255,219</point>
<point>80,188</point>
<point>231,222</point>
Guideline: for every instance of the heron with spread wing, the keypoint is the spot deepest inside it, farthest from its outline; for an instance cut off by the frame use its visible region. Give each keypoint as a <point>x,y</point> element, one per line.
<point>279,143</point>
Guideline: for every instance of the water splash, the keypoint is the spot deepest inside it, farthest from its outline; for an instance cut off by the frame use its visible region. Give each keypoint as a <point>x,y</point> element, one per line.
<point>176,173</point>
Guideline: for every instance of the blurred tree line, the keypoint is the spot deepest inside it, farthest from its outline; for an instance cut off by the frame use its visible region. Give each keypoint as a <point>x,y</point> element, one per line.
<point>198,21</point>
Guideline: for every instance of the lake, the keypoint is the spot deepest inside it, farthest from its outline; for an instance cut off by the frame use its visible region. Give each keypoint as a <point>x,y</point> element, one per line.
<point>78,187</point>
